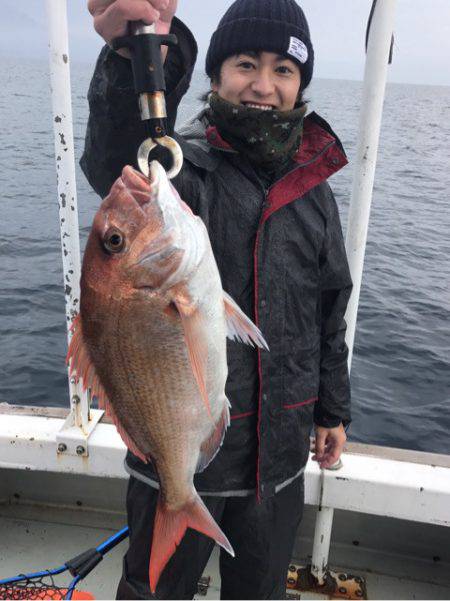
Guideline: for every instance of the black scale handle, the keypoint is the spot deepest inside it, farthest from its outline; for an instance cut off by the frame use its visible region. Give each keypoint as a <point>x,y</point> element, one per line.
<point>148,74</point>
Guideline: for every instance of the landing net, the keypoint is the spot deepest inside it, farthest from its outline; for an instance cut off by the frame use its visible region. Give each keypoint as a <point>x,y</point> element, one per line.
<point>41,588</point>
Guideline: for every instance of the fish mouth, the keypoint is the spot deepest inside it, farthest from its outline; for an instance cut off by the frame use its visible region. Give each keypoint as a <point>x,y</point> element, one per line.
<point>160,190</point>
<point>155,175</point>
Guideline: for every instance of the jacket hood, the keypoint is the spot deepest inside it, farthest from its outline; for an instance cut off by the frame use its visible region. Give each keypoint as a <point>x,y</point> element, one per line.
<point>191,136</point>
<point>194,129</point>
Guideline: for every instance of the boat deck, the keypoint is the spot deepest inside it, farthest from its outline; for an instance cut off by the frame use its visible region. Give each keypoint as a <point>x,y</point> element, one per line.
<point>34,536</point>
<point>389,508</point>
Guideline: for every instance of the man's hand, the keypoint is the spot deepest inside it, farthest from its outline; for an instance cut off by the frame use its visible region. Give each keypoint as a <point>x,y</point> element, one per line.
<point>111,17</point>
<point>329,445</point>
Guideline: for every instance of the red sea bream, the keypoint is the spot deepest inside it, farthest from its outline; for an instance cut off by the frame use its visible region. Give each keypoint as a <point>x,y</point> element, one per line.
<point>150,342</point>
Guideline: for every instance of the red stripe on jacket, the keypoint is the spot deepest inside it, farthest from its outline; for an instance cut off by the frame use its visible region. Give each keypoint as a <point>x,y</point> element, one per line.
<point>307,402</point>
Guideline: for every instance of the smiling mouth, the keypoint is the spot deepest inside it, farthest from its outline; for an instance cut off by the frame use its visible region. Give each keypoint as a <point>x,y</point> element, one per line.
<point>261,107</point>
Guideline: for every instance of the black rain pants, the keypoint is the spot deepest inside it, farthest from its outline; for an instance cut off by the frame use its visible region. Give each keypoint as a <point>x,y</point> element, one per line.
<point>262,535</point>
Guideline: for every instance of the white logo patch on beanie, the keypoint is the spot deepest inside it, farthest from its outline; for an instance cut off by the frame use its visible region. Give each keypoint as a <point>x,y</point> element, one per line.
<point>298,50</point>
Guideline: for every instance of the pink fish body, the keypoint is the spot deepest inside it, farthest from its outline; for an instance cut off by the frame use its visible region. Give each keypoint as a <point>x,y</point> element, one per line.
<point>150,343</point>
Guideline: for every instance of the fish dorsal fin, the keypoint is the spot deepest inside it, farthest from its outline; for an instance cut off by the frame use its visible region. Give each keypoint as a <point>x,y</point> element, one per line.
<point>196,341</point>
<point>82,367</point>
<point>239,326</point>
<point>210,447</point>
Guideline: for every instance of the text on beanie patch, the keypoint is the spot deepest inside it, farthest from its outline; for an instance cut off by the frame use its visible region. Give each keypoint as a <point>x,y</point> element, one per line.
<point>298,50</point>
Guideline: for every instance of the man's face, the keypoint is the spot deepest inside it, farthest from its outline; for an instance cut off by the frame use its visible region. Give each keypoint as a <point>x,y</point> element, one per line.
<point>262,80</point>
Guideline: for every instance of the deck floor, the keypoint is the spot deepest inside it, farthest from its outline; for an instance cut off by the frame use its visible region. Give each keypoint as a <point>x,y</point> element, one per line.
<point>32,538</point>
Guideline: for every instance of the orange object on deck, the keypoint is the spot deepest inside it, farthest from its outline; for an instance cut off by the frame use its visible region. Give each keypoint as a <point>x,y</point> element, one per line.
<point>44,594</point>
<point>82,595</point>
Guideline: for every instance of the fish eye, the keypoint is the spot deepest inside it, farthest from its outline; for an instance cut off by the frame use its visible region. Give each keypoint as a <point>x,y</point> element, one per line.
<point>114,241</point>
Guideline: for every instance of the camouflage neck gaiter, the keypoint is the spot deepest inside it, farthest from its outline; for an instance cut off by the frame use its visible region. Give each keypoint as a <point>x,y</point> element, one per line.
<point>269,139</point>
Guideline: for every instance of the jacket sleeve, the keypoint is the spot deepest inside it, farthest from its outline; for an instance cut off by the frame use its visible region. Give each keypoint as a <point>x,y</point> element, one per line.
<point>115,130</point>
<point>333,406</point>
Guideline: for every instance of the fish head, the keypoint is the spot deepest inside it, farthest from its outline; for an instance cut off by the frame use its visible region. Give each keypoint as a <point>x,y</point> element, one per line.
<point>144,238</point>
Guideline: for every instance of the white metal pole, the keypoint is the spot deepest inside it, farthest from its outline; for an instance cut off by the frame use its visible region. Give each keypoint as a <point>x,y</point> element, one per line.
<point>369,131</point>
<point>65,176</point>
<point>374,87</point>
<point>321,546</point>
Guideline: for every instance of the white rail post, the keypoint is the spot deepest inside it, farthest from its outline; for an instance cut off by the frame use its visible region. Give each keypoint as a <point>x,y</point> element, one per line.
<point>374,86</point>
<point>375,75</point>
<point>79,418</point>
<point>321,546</point>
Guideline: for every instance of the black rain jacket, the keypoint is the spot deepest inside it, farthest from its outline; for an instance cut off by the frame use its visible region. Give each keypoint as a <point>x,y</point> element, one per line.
<point>281,256</point>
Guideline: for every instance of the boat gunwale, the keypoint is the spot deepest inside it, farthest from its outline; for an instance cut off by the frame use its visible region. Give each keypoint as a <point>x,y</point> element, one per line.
<point>352,448</point>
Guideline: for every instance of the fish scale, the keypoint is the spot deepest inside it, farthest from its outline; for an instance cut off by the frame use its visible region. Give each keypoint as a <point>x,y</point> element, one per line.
<point>170,384</point>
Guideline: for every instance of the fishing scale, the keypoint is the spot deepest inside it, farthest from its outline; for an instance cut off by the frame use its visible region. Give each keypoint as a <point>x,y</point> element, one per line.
<point>144,45</point>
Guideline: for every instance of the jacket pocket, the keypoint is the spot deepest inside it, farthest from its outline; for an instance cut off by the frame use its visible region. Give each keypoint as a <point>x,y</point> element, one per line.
<point>301,375</point>
<point>301,403</point>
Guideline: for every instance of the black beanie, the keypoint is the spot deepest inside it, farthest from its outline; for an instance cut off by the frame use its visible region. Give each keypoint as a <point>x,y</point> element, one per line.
<point>263,25</point>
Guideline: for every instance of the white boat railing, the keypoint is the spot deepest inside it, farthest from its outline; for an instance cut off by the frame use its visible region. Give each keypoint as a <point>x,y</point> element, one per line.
<point>75,432</point>
<point>374,87</point>
<point>401,484</point>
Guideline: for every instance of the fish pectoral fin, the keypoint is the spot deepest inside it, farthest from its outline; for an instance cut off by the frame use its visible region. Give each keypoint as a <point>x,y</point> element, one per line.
<point>196,342</point>
<point>210,447</point>
<point>81,366</point>
<point>240,327</point>
<point>79,362</point>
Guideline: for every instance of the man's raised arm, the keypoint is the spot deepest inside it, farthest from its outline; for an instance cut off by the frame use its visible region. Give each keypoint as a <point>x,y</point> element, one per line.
<point>115,130</point>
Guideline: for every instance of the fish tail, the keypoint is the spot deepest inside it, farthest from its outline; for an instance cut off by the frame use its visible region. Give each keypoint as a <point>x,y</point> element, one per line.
<point>170,527</point>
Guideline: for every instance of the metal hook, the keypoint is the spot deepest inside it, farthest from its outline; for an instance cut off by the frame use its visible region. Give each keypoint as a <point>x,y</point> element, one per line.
<point>149,144</point>
<point>148,73</point>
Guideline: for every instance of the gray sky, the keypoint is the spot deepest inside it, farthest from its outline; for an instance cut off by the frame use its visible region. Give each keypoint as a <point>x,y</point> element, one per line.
<point>422,35</point>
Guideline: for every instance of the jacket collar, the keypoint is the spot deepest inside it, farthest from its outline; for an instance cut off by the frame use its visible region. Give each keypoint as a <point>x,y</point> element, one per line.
<point>320,155</point>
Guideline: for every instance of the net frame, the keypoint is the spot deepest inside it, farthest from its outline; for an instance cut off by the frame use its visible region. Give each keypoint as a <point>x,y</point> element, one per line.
<point>34,586</point>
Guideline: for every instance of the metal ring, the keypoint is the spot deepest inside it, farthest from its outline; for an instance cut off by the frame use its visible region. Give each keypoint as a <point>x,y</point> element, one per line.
<point>149,144</point>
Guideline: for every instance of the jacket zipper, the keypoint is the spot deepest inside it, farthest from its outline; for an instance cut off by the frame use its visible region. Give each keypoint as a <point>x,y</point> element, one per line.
<point>256,311</point>
<point>266,192</point>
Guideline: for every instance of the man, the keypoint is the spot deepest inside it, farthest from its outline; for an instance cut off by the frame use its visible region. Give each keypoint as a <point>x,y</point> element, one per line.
<point>255,170</point>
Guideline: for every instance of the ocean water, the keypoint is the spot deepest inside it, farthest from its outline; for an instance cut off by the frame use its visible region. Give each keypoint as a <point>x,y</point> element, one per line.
<point>401,365</point>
